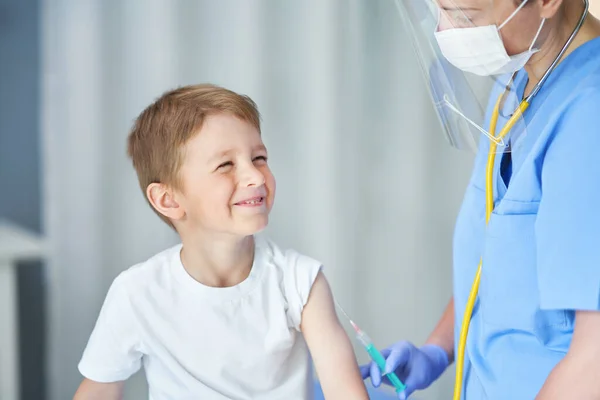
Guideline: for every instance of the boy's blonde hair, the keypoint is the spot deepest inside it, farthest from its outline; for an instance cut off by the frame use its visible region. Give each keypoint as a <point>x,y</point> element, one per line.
<point>157,138</point>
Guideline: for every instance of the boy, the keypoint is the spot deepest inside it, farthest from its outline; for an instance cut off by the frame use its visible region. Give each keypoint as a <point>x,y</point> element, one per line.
<point>224,314</point>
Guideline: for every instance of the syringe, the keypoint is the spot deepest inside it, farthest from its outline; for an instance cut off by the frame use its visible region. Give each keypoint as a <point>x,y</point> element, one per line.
<point>375,354</point>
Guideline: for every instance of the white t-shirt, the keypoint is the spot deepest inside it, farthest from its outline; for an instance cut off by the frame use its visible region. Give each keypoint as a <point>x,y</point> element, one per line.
<point>199,342</point>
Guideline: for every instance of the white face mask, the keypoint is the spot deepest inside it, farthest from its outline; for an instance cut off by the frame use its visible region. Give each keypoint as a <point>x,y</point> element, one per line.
<point>480,50</point>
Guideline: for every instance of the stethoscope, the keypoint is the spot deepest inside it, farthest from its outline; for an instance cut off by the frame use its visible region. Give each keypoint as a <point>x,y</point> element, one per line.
<point>489,196</point>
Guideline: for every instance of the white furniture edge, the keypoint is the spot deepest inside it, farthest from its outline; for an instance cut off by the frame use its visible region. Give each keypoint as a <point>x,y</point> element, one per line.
<point>16,244</point>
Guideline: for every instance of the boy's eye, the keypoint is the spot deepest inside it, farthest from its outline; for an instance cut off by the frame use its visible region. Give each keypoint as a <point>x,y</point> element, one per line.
<point>225,164</point>
<point>228,164</point>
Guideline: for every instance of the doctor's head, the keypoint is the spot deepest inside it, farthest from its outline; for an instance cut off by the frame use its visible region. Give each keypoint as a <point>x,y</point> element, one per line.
<point>520,29</point>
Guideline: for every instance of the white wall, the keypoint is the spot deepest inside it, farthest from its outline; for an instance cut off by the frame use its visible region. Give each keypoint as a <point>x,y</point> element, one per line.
<point>366,181</point>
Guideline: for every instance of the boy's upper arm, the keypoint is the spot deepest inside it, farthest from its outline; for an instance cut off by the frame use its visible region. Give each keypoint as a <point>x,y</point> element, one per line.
<point>329,345</point>
<point>113,351</point>
<point>90,390</point>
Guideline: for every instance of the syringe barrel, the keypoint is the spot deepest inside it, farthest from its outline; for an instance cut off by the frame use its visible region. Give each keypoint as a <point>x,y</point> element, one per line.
<point>364,339</point>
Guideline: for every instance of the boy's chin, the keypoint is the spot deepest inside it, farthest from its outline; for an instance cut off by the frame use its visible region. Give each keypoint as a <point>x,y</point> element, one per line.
<point>257,226</point>
<point>254,226</point>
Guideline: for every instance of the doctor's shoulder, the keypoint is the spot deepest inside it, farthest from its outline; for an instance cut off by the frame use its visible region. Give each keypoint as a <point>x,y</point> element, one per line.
<point>578,117</point>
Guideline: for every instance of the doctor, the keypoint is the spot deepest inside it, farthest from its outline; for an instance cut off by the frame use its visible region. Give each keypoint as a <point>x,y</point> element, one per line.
<point>519,81</point>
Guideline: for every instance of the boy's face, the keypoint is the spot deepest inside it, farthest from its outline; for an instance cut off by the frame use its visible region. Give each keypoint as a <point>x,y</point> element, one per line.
<point>227,184</point>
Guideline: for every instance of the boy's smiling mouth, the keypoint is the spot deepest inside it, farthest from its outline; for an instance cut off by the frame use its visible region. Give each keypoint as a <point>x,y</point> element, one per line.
<point>251,202</point>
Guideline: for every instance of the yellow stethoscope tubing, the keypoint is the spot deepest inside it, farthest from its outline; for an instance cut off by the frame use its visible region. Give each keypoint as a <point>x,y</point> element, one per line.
<point>489,207</point>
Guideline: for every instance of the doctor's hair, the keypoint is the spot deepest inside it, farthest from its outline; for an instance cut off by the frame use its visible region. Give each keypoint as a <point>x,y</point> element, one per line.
<point>156,141</point>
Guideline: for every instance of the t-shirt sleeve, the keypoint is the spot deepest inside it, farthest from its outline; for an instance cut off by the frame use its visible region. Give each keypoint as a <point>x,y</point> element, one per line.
<point>113,351</point>
<point>300,273</point>
<point>568,221</point>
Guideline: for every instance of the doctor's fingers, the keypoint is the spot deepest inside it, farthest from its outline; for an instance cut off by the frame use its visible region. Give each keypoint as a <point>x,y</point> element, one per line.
<point>372,370</point>
<point>399,356</point>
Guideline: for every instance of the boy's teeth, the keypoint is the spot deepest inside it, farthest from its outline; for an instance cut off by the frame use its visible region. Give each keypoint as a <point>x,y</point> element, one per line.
<point>251,202</point>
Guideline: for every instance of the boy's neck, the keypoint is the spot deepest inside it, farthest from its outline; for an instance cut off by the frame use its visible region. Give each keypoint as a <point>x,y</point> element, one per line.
<point>218,261</point>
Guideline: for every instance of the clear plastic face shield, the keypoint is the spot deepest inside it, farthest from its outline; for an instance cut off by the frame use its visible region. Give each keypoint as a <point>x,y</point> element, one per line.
<point>460,49</point>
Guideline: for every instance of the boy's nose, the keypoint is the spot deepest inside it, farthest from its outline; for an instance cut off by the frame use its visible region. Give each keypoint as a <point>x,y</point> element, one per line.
<point>253,177</point>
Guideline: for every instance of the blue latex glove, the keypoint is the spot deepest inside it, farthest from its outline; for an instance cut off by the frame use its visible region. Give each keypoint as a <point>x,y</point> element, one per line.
<point>416,367</point>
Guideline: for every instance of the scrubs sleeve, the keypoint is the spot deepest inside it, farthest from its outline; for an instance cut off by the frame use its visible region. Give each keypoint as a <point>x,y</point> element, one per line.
<point>568,223</point>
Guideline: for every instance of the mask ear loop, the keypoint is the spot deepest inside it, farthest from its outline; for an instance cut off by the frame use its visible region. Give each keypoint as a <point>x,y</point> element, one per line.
<point>511,80</point>
<point>438,19</point>
<point>535,38</point>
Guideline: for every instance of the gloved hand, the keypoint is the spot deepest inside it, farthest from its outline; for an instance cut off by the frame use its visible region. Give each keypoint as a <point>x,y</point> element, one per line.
<point>416,367</point>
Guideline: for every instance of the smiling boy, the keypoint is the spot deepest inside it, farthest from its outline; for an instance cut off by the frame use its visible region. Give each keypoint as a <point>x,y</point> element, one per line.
<point>225,314</point>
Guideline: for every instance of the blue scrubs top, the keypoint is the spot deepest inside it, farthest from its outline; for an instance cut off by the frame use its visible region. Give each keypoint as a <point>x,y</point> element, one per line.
<point>541,248</point>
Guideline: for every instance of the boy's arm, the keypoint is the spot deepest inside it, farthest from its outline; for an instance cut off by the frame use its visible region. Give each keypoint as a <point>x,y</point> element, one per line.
<point>330,347</point>
<point>90,390</point>
<point>113,352</point>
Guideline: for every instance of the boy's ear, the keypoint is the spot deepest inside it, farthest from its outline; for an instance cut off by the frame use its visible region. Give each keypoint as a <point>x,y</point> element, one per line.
<point>163,200</point>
